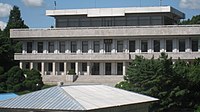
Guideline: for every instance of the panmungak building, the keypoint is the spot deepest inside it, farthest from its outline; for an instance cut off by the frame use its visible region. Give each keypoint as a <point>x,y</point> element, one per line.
<point>98,44</point>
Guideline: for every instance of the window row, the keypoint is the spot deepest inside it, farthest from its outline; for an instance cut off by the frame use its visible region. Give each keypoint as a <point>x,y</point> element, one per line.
<point>108,46</point>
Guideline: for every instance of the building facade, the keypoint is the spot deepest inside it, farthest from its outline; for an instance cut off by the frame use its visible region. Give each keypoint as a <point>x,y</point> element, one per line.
<point>103,41</point>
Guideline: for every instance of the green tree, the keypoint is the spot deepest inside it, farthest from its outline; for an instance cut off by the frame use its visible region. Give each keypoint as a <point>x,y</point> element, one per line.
<point>194,20</point>
<point>7,46</point>
<point>3,79</point>
<point>33,80</point>
<point>15,79</point>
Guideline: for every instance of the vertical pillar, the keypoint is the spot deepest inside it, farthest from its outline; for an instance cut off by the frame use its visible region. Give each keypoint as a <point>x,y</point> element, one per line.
<point>88,68</point>
<point>102,46</point>
<point>102,69</point>
<point>124,68</point>
<point>150,46</point>
<point>21,65</point>
<point>54,68</point>
<point>45,50</point>
<point>67,47</point>
<point>114,46</point>
<point>65,68</point>
<point>31,65</point>
<point>76,68</point>
<point>162,45</point>
<point>42,69</point>
<point>175,45</point>
<point>198,45</point>
<point>188,45</point>
<point>24,49</point>
<point>125,46</point>
<point>90,46</point>
<point>79,47</point>
<point>137,46</point>
<point>113,70</point>
<point>56,47</point>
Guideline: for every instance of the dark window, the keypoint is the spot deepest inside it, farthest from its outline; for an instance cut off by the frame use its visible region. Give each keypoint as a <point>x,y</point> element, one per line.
<point>51,47</point>
<point>119,68</point>
<point>40,47</point>
<point>132,46</point>
<point>96,46</point>
<point>84,67</point>
<point>61,67</point>
<point>144,45</point>
<point>50,67</point>
<point>84,46</point>
<point>108,43</point>
<point>73,47</point>
<point>119,46</point>
<point>108,69</point>
<point>169,45</point>
<point>95,69</point>
<point>73,66</point>
<point>39,66</point>
<point>29,47</point>
<point>27,65</point>
<point>62,47</point>
<point>194,45</point>
<point>182,45</point>
<point>156,45</point>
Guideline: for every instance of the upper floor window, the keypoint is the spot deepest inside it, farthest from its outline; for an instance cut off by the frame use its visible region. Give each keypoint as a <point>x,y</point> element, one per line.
<point>144,45</point>
<point>119,46</point>
<point>96,46</point>
<point>195,45</point>
<point>51,47</point>
<point>85,46</point>
<point>156,45</point>
<point>169,45</point>
<point>132,46</point>
<point>62,47</point>
<point>108,43</point>
<point>40,47</point>
<point>73,46</point>
<point>182,45</point>
<point>29,47</point>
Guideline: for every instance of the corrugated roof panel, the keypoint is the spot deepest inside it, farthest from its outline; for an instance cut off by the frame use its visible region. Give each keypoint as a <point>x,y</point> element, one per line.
<point>52,98</point>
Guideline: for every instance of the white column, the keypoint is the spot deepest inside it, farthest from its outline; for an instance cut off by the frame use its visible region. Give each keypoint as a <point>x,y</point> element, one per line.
<point>187,45</point>
<point>54,68</point>
<point>65,68</point>
<point>114,46</point>
<point>102,69</point>
<point>79,47</point>
<point>56,46</point>
<point>150,46</point>
<point>20,65</point>
<point>113,68</point>
<point>34,47</point>
<point>175,45</point>
<point>88,68</point>
<point>31,65</point>
<point>162,45</point>
<point>67,46</point>
<point>199,45</point>
<point>76,68</point>
<point>125,46</point>
<point>24,48</point>
<point>137,46</point>
<point>124,68</point>
<point>102,46</point>
<point>45,50</point>
<point>90,46</point>
<point>42,69</point>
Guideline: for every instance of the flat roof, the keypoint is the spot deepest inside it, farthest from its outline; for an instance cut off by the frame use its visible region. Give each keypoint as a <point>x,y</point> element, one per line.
<point>76,97</point>
<point>107,12</point>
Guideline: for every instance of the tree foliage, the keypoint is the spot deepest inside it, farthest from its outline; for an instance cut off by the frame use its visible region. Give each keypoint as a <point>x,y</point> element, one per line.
<point>33,80</point>
<point>176,85</point>
<point>194,20</point>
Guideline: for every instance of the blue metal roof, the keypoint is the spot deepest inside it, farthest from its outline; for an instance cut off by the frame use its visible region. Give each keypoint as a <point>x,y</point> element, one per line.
<point>53,98</point>
<point>5,96</point>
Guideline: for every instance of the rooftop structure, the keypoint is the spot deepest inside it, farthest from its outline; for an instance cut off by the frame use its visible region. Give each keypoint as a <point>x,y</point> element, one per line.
<point>79,98</point>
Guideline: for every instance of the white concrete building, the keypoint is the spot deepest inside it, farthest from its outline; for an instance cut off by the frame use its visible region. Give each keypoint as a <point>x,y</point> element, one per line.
<point>100,43</point>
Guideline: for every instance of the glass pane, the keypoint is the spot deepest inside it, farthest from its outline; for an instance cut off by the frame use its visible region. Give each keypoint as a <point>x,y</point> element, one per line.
<point>169,45</point>
<point>144,45</point>
<point>156,45</point>
<point>40,47</point>
<point>194,45</point>
<point>132,46</point>
<point>182,45</point>
<point>119,46</point>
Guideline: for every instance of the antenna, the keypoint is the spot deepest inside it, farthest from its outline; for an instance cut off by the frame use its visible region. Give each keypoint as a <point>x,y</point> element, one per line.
<point>55,5</point>
<point>160,2</point>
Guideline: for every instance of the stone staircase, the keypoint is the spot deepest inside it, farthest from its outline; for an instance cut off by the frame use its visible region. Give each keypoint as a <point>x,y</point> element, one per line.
<point>110,80</point>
